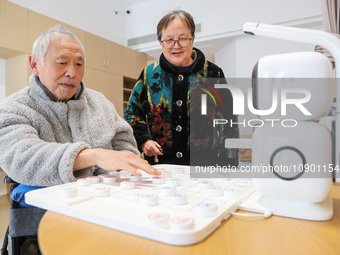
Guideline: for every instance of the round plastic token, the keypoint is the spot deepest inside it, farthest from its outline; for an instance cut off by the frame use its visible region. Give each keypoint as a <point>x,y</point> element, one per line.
<point>178,199</point>
<point>158,180</point>
<point>149,199</point>
<point>109,179</point>
<point>101,176</point>
<point>68,192</point>
<point>93,179</point>
<point>103,191</point>
<point>183,223</point>
<point>159,220</point>
<point>126,185</point>
<point>135,178</point>
<point>207,209</point>
<point>117,174</point>
<point>122,175</point>
<point>83,182</point>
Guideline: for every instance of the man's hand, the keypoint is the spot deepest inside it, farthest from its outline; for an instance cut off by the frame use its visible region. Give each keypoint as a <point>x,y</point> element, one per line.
<point>111,160</point>
<point>152,148</point>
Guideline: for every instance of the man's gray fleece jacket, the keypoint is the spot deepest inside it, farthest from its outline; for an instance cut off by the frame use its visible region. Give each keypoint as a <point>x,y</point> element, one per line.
<point>40,138</point>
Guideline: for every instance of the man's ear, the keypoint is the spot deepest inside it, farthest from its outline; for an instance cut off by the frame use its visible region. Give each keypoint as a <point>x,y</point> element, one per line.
<point>33,64</point>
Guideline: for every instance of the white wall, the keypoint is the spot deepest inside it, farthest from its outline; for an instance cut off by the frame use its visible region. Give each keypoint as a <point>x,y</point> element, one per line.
<point>97,17</point>
<point>219,17</point>
<point>2,78</point>
<point>238,57</point>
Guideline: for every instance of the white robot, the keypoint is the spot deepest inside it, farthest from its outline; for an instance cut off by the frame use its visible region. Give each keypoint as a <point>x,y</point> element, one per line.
<point>299,155</point>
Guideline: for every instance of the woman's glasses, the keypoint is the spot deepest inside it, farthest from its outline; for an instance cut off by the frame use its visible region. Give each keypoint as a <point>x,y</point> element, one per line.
<point>182,42</point>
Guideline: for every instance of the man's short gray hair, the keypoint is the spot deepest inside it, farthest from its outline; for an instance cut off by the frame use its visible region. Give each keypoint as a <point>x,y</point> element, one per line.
<point>43,41</point>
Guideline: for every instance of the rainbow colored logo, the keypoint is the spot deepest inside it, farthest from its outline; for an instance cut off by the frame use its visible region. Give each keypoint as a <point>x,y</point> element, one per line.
<point>210,94</point>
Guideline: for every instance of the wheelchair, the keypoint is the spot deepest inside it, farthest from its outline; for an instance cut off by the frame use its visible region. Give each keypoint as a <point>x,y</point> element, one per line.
<point>21,234</point>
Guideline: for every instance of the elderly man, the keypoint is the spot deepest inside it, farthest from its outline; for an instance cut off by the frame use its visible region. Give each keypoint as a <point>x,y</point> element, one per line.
<point>56,130</point>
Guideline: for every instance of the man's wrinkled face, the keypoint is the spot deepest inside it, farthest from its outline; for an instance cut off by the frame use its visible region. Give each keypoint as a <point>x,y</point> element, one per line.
<point>63,68</point>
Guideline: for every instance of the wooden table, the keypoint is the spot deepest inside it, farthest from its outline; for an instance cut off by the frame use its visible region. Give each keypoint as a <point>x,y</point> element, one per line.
<point>59,234</point>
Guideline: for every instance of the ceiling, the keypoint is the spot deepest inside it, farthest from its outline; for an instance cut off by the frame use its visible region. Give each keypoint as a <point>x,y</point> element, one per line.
<point>126,3</point>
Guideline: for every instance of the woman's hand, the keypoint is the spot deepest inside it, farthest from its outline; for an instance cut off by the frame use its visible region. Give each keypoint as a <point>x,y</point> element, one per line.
<point>151,148</point>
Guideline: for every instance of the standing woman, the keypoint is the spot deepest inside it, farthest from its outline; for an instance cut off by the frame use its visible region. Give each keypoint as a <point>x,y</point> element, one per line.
<point>158,109</point>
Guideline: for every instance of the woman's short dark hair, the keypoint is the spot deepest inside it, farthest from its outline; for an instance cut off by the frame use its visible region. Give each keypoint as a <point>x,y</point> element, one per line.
<point>186,17</point>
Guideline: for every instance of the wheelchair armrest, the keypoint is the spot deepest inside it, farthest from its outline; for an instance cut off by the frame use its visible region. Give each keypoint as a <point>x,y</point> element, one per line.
<point>9,180</point>
<point>13,185</point>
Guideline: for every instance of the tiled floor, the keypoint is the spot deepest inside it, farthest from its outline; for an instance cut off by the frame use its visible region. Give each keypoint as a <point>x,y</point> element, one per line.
<point>4,213</point>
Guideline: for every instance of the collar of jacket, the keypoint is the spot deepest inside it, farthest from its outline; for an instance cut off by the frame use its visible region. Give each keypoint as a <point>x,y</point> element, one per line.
<point>196,65</point>
<point>39,89</point>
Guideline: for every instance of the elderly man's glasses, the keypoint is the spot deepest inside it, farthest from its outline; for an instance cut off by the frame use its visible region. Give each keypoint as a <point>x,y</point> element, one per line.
<point>182,42</point>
